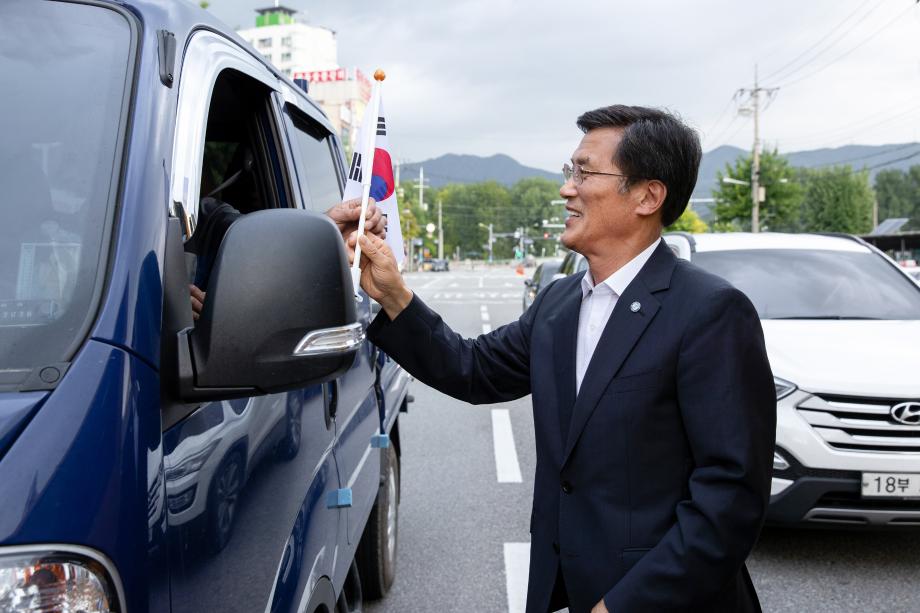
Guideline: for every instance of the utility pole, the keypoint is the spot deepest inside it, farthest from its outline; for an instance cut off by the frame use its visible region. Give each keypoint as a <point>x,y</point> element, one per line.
<point>421,189</point>
<point>757,193</point>
<point>490,243</point>
<point>440,234</point>
<point>755,166</point>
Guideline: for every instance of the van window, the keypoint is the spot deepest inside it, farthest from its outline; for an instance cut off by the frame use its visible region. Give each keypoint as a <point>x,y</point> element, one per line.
<point>65,69</point>
<point>240,169</point>
<point>317,167</point>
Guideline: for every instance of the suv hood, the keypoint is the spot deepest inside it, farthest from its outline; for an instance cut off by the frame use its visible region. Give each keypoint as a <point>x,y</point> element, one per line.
<point>847,357</point>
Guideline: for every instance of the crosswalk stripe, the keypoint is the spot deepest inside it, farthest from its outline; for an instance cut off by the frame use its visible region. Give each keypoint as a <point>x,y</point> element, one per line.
<point>506,461</point>
<point>517,568</point>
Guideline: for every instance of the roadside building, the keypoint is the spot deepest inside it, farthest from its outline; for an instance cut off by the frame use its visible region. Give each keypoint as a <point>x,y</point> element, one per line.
<point>305,51</point>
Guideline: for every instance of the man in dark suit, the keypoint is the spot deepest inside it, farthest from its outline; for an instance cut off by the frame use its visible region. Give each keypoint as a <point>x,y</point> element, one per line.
<point>653,400</point>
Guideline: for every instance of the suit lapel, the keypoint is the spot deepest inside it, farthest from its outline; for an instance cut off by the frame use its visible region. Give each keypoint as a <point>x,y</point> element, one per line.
<point>623,330</point>
<point>565,336</point>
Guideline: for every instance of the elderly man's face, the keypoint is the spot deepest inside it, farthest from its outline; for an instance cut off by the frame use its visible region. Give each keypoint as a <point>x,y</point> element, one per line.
<point>599,212</point>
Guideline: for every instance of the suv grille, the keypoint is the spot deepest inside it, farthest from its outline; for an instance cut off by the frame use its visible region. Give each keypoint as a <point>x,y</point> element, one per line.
<point>859,424</point>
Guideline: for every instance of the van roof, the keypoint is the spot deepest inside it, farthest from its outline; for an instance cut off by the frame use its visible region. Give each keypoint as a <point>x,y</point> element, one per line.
<point>183,16</point>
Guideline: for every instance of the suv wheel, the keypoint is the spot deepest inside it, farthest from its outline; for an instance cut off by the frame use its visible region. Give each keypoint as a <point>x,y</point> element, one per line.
<point>376,553</point>
<point>224,495</point>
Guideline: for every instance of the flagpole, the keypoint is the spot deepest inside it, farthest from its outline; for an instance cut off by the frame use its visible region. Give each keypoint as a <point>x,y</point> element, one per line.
<point>366,176</point>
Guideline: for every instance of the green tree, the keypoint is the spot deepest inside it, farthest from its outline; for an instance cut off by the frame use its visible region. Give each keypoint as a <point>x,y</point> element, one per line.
<point>204,4</point>
<point>689,221</point>
<point>898,194</point>
<point>778,212</point>
<point>465,206</point>
<point>531,204</point>
<point>837,199</point>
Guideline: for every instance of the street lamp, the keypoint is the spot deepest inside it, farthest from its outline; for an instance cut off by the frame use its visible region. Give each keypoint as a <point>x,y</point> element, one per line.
<point>489,228</point>
<point>761,197</point>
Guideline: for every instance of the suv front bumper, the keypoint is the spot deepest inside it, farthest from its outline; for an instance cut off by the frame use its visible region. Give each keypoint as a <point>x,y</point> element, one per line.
<point>822,485</point>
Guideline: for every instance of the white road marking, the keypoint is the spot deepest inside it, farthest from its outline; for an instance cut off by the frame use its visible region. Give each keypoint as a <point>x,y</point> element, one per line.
<point>506,460</point>
<point>486,328</point>
<point>517,568</point>
<point>480,282</point>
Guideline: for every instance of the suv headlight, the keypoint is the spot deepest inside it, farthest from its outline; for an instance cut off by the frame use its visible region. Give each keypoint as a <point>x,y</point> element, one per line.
<point>50,580</point>
<point>783,387</point>
<point>192,463</point>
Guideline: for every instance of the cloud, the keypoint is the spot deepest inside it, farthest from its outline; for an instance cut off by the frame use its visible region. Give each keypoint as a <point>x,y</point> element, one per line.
<point>487,76</point>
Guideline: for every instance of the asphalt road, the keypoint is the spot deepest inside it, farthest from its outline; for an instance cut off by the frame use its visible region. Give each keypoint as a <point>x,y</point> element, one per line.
<point>464,513</point>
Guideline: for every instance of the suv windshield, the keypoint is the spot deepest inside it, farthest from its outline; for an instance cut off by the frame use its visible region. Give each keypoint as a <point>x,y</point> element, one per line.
<point>64,69</point>
<point>803,284</point>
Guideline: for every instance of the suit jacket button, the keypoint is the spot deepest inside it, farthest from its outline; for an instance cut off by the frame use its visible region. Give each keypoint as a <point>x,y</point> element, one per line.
<point>566,487</point>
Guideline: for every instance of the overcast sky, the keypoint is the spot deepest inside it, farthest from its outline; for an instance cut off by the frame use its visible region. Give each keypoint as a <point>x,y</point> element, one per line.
<point>503,76</point>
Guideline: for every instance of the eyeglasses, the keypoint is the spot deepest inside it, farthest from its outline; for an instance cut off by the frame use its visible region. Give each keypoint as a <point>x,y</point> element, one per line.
<point>577,173</point>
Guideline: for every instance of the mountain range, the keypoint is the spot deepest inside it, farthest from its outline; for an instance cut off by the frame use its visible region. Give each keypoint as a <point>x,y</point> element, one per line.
<point>454,168</point>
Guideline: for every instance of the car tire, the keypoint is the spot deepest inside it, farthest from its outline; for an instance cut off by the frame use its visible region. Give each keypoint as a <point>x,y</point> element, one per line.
<point>223,499</point>
<point>376,555</point>
<point>289,446</point>
<point>351,600</point>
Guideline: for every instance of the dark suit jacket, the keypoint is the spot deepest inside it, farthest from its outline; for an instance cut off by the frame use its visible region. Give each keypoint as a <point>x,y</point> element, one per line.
<point>652,484</point>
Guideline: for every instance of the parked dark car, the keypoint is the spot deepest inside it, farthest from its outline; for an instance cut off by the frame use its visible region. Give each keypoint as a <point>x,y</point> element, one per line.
<point>572,262</point>
<point>440,266</point>
<point>149,462</point>
<point>542,277</point>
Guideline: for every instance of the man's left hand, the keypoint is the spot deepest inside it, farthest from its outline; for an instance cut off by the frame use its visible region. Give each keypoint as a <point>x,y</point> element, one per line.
<point>346,216</point>
<point>600,608</point>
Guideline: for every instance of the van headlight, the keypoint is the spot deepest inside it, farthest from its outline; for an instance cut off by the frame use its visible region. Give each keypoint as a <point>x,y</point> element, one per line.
<point>55,581</point>
<point>783,387</point>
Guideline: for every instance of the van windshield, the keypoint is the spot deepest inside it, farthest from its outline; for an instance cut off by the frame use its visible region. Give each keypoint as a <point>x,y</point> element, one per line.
<point>64,69</point>
<point>816,284</point>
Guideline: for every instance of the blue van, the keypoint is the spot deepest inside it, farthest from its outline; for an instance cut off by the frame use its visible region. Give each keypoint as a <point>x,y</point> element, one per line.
<point>244,461</point>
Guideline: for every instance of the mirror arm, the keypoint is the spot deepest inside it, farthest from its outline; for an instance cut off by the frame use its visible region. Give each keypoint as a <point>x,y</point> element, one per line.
<point>188,390</point>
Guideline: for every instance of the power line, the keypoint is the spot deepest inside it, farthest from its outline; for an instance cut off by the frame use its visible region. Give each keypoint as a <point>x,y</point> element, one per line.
<point>720,138</point>
<point>722,114</point>
<point>851,50</point>
<point>871,155</point>
<point>874,5</point>
<point>890,162</point>
<point>849,130</point>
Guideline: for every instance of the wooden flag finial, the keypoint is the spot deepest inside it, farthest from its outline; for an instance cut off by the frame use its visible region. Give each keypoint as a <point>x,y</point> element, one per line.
<point>379,75</point>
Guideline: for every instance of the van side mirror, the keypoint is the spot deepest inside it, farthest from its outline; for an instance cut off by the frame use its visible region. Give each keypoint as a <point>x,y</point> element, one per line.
<point>280,310</point>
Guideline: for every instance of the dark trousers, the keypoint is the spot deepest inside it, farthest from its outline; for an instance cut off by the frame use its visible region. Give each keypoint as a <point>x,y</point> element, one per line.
<point>560,597</point>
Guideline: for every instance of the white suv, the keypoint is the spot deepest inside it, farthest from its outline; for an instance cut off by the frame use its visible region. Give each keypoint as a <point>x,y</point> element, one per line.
<point>842,327</point>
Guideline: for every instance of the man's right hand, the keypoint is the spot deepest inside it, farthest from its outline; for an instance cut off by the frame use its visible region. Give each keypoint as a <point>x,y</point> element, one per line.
<point>380,277</point>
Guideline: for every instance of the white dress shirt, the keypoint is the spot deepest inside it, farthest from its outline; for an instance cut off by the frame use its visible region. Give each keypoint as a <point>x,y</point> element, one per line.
<point>597,303</point>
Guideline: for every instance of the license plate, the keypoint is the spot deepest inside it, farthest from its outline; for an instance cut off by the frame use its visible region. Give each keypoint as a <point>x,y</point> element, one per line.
<point>890,485</point>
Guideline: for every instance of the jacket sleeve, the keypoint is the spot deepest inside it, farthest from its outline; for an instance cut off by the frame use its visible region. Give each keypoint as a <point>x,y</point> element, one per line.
<point>494,367</point>
<point>727,401</point>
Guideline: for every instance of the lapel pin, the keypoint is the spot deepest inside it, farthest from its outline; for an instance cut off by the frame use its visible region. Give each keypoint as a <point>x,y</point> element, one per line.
<point>634,307</point>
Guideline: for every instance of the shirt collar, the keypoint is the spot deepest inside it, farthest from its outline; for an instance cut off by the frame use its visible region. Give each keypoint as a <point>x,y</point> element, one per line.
<point>620,280</point>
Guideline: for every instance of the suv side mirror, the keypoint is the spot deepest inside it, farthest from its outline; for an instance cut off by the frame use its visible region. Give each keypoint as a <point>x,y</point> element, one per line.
<point>280,310</point>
